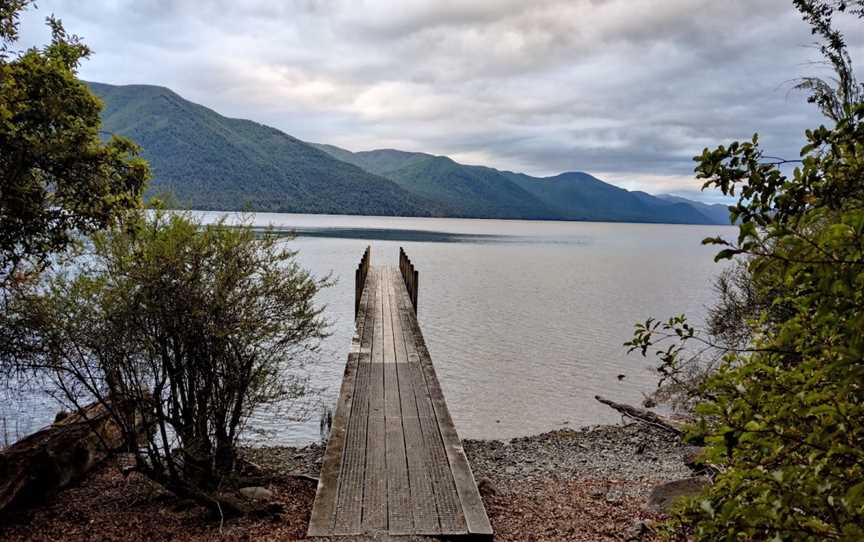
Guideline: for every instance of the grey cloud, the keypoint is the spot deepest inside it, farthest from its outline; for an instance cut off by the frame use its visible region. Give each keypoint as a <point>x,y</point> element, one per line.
<point>629,88</point>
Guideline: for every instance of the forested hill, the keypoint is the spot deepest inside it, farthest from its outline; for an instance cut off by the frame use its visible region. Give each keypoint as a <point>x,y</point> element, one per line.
<point>211,162</point>
<point>483,191</point>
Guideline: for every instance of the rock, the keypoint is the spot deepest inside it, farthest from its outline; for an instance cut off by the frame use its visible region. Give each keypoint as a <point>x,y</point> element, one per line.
<point>510,470</point>
<point>693,458</point>
<point>636,531</point>
<point>256,493</point>
<point>486,487</point>
<point>663,496</point>
<point>614,495</point>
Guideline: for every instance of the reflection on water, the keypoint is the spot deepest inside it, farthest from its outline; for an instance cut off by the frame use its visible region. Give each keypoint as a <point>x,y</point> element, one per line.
<point>525,320</point>
<point>390,235</point>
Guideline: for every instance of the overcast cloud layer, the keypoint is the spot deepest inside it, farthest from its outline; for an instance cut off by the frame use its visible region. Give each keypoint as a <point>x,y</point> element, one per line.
<point>629,90</point>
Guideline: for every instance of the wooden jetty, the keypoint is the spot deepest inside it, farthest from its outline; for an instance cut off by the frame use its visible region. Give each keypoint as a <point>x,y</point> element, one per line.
<point>394,464</point>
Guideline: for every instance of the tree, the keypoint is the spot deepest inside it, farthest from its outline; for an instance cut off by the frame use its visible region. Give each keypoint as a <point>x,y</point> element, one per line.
<point>835,98</point>
<point>57,178</point>
<point>782,414</point>
<point>179,328</point>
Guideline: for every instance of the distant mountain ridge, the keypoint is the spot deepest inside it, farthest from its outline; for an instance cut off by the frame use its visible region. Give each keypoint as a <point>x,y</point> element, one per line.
<point>487,192</point>
<point>212,162</point>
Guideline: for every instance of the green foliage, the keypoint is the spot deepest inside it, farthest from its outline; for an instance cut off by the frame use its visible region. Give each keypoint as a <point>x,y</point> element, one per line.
<point>57,179</point>
<point>835,98</point>
<point>784,418</point>
<point>783,413</point>
<point>10,11</point>
<point>181,328</point>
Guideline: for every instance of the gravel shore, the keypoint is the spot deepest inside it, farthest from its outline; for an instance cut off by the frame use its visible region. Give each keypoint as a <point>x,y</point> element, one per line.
<point>620,452</point>
<point>628,452</point>
<point>572,485</point>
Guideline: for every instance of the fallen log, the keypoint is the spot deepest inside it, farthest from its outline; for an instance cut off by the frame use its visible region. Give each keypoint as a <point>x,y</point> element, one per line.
<point>41,464</point>
<point>640,415</point>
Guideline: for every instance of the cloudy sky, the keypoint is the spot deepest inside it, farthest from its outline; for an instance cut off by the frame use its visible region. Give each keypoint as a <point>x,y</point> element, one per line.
<point>628,90</point>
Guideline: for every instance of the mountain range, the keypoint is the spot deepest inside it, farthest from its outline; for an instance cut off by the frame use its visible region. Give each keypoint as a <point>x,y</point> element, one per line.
<point>211,162</point>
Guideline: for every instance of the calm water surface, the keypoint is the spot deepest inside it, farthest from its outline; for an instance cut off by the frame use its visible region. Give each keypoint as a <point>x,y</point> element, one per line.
<point>525,320</point>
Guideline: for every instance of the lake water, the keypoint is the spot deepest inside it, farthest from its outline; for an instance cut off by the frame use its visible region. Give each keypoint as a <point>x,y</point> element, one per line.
<point>525,320</point>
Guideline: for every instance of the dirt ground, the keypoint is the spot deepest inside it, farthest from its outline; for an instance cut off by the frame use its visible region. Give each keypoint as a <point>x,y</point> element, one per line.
<point>109,507</point>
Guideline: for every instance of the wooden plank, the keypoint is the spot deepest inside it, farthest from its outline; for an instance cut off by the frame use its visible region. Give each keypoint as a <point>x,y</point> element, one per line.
<point>349,504</point>
<point>400,519</point>
<point>475,516</point>
<point>424,508</point>
<point>375,482</point>
<point>450,514</point>
<point>324,509</point>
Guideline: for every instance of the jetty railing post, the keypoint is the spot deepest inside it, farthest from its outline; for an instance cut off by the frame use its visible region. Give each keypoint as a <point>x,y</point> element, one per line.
<point>416,288</point>
<point>360,278</point>
<point>356,291</point>
<point>410,276</point>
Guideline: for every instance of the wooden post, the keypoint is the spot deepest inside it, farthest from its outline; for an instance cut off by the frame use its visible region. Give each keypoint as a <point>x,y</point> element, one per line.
<point>410,276</point>
<point>360,278</point>
<point>416,289</point>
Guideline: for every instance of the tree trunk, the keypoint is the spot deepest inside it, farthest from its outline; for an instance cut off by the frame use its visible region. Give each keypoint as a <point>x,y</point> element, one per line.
<point>39,465</point>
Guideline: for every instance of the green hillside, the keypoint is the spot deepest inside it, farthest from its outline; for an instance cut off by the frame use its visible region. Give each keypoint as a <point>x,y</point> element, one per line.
<point>469,191</point>
<point>580,196</point>
<point>212,162</point>
<point>715,211</point>
<point>379,162</point>
<point>477,191</point>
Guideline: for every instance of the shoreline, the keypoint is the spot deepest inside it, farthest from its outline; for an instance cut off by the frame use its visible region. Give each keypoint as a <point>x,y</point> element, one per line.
<point>586,484</point>
<point>629,452</point>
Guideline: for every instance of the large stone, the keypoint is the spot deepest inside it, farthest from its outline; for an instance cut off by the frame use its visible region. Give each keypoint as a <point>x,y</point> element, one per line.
<point>663,496</point>
<point>694,458</point>
<point>255,493</point>
<point>487,488</point>
<point>637,531</point>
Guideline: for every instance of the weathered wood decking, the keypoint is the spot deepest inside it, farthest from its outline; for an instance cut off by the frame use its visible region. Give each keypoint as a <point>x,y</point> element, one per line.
<point>394,463</point>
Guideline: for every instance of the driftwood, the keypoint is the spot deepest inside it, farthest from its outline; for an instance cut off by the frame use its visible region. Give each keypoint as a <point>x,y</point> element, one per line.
<point>40,464</point>
<point>643,416</point>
